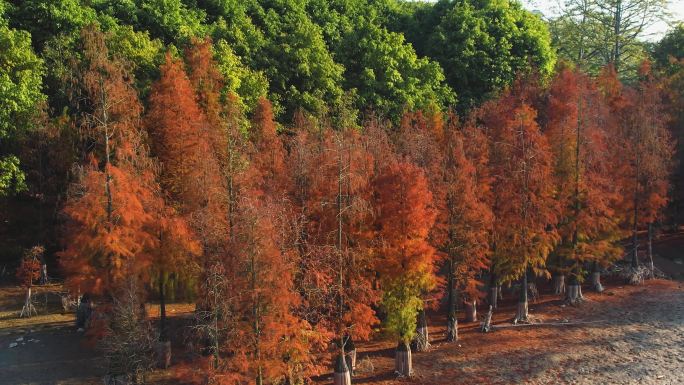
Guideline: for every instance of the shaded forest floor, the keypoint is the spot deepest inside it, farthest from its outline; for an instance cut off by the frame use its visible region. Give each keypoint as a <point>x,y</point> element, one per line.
<point>636,337</point>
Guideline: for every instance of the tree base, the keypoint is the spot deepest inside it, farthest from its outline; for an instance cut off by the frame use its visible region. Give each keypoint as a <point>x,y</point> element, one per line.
<point>574,295</point>
<point>596,282</point>
<point>452,329</point>
<point>559,284</point>
<point>162,350</point>
<point>342,378</point>
<point>494,296</point>
<point>522,314</point>
<point>342,374</point>
<point>487,323</point>
<point>28,309</point>
<point>402,360</point>
<point>422,339</point>
<point>471,311</point>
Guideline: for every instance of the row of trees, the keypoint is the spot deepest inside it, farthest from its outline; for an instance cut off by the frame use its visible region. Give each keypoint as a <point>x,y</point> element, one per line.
<point>295,236</point>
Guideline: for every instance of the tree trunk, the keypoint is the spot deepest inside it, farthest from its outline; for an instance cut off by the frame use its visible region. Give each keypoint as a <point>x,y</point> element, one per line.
<point>487,324</point>
<point>493,291</point>
<point>163,354</point>
<point>471,311</point>
<point>28,309</point>
<point>350,353</point>
<point>452,321</point>
<point>162,307</point>
<point>635,240</point>
<point>402,360</point>
<point>522,311</point>
<point>574,292</point>
<point>559,283</point>
<point>596,278</point>
<point>452,328</point>
<point>163,346</point>
<point>650,249</point>
<point>422,339</point>
<point>341,376</point>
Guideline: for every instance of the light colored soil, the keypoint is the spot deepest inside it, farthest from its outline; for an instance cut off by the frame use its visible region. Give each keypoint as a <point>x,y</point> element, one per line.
<point>639,340</point>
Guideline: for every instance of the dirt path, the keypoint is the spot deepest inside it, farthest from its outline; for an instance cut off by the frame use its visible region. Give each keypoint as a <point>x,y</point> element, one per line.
<point>640,340</point>
<point>51,354</point>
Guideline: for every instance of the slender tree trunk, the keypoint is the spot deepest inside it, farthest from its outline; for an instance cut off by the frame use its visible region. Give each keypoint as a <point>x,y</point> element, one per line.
<point>471,311</point>
<point>559,283</point>
<point>493,295</point>
<point>162,307</point>
<point>596,277</point>
<point>522,311</point>
<point>341,376</point>
<point>650,248</point>
<point>163,347</point>
<point>350,354</point>
<point>452,320</point>
<point>402,360</point>
<point>635,240</point>
<point>422,335</point>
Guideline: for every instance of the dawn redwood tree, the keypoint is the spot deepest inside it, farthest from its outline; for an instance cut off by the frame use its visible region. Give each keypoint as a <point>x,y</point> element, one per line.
<point>405,259</point>
<point>106,233</point>
<point>588,226</point>
<point>649,148</point>
<point>523,205</point>
<point>339,225</point>
<point>224,120</point>
<point>173,255</point>
<point>190,173</point>
<point>268,174</point>
<point>29,271</point>
<point>268,333</point>
<point>467,220</point>
<point>418,142</point>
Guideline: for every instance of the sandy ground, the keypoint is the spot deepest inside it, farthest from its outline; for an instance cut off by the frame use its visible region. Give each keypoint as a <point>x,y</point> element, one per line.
<point>637,338</point>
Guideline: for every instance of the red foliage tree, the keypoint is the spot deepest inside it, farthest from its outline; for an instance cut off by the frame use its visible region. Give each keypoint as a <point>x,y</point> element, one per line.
<point>648,151</point>
<point>190,172</point>
<point>268,175</point>
<point>588,227</point>
<point>523,204</point>
<point>272,343</point>
<point>107,235</point>
<point>467,221</point>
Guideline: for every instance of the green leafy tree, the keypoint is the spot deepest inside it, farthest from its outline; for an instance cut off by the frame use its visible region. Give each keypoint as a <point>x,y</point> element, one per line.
<point>45,19</point>
<point>21,74</point>
<point>387,73</point>
<point>483,44</point>
<point>300,68</point>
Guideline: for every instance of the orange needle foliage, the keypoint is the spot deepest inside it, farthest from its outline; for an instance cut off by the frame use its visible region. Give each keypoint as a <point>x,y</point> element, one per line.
<point>521,170</point>
<point>405,259</point>
<point>583,172</point>
<point>107,230</point>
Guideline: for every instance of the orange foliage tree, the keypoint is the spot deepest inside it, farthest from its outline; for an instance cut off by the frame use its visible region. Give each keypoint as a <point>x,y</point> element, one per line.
<point>107,235</point>
<point>405,260</point>
<point>523,205</point>
<point>648,152</point>
<point>583,170</point>
<point>272,344</point>
<point>334,191</point>
<point>466,218</point>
